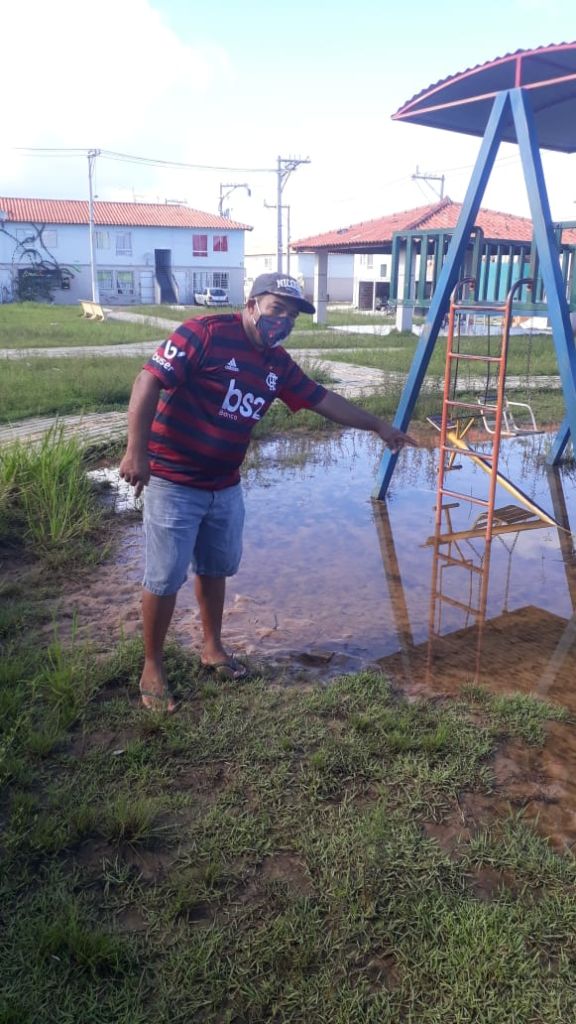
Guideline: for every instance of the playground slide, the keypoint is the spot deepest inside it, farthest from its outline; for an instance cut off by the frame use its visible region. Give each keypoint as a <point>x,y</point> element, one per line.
<point>512,489</point>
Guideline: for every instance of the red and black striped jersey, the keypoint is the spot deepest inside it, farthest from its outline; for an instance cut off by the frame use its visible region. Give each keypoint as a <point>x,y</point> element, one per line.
<point>217,385</point>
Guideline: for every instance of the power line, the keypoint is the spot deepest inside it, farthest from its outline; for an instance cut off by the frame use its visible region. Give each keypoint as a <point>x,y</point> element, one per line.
<point>111,154</point>
<point>422,176</point>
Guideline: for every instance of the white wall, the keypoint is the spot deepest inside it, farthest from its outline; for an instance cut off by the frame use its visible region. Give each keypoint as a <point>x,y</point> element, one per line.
<point>340,282</point>
<point>340,272</point>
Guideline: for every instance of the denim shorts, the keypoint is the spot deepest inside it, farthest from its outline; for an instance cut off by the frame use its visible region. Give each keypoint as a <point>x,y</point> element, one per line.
<point>187,527</point>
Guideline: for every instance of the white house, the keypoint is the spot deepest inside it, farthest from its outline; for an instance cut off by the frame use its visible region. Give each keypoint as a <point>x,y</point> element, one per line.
<point>301,266</point>
<point>143,252</point>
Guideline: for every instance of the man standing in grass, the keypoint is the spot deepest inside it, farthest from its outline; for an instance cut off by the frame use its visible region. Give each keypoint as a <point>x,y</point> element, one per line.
<point>219,375</point>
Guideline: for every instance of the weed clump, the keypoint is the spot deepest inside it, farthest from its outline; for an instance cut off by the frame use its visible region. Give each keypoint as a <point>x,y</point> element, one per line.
<point>47,503</point>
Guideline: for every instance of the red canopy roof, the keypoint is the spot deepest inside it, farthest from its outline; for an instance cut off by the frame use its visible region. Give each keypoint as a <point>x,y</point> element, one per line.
<point>434,217</point>
<point>462,103</point>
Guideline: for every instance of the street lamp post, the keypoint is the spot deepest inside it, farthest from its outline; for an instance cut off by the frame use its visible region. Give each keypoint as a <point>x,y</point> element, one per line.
<point>92,154</point>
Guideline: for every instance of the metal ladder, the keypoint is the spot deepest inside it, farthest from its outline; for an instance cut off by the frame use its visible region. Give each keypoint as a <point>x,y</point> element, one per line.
<point>454,411</point>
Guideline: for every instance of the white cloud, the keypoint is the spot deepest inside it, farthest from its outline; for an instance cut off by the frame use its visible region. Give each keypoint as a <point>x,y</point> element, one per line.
<point>111,75</point>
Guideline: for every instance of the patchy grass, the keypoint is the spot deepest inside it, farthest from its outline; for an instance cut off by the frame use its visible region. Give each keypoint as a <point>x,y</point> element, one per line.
<point>55,387</point>
<point>36,325</point>
<point>265,855</point>
<point>536,356</point>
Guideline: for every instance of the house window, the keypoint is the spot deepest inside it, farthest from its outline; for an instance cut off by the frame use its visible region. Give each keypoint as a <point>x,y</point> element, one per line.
<point>220,243</point>
<point>219,280</point>
<point>124,243</point>
<point>268,263</point>
<point>199,245</point>
<point>50,238</point>
<point>102,239</point>
<point>125,282</point>
<point>25,234</point>
<point>105,280</point>
<point>370,262</point>
<point>120,282</point>
<point>383,270</point>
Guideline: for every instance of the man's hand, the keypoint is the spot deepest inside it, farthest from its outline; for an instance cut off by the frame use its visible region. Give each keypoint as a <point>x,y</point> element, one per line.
<point>338,409</point>
<point>393,438</point>
<point>135,469</point>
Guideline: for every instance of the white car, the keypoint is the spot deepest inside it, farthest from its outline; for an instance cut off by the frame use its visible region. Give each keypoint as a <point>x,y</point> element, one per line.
<point>212,297</point>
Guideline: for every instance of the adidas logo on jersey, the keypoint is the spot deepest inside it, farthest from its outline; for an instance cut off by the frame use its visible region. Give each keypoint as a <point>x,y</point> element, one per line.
<point>232,365</point>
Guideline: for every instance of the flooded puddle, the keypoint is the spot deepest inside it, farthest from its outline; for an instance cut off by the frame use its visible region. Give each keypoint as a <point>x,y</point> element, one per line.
<point>333,582</point>
<point>329,574</point>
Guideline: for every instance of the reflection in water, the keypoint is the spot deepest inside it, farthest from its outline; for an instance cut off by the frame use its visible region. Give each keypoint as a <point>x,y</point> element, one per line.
<point>500,613</point>
<point>328,572</point>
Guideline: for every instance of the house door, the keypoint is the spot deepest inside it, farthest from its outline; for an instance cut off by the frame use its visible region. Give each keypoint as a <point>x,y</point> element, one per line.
<point>163,267</point>
<point>366,295</point>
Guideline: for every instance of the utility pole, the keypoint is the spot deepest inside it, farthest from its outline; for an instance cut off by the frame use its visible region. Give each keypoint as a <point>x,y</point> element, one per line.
<point>285,167</point>
<point>428,178</point>
<point>272,206</point>
<point>92,154</point>
<point>224,195</point>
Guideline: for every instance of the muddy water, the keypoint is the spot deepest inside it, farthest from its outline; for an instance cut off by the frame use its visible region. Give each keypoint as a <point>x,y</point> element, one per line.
<point>329,576</point>
<point>332,582</point>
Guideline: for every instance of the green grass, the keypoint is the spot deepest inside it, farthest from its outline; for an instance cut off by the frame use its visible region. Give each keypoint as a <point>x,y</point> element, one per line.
<point>36,325</point>
<point>57,386</point>
<point>47,503</point>
<point>526,356</point>
<point>264,855</point>
<point>267,853</point>
<point>51,387</point>
<point>61,386</point>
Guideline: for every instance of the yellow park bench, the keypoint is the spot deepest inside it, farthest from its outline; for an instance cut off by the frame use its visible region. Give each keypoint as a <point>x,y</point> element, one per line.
<point>92,310</point>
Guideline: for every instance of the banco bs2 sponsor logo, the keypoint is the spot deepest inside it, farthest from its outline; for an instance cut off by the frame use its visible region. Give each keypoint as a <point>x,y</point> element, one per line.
<point>236,402</point>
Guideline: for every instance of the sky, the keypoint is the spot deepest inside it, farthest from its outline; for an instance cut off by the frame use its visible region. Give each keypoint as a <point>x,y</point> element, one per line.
<point>235,85</point>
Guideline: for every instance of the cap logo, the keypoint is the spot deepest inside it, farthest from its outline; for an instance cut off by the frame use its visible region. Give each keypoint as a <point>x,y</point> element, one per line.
<point>288,285</point>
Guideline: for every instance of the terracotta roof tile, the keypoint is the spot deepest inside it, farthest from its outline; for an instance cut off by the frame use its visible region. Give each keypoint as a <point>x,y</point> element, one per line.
<point>434,217</point>
<point>129,215</point>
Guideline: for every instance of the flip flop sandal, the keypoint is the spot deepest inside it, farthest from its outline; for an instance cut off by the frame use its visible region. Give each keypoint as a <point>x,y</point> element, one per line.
<point>162,701</point>
<point>227,669</point>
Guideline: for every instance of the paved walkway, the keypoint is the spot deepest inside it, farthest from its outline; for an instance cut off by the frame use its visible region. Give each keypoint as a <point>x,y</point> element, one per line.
<point>94,427</point>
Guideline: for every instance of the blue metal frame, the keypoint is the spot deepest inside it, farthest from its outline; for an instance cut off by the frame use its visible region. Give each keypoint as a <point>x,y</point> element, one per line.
<point>510,104</point>
<point>547,249</point>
